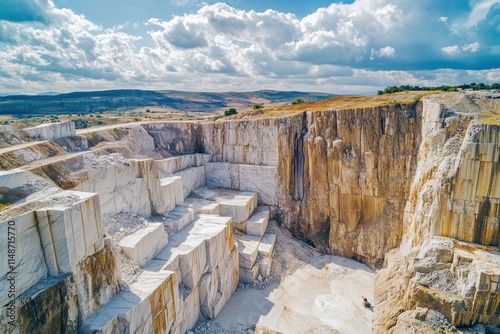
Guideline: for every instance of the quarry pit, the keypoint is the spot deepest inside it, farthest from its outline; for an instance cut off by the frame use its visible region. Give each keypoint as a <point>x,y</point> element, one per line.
<point>259,224</point>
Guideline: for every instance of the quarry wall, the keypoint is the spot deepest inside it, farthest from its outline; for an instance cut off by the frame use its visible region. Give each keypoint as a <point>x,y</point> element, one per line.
<point>414,188</point>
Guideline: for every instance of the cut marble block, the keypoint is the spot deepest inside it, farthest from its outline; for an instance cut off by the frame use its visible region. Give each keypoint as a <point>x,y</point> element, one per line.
<point>178,218</point>
<point>248,249</point>
<point>202,206</point>
<point>51,131</point>
<point>192,178</point>
<point>264,266</point>
<point>70,233</point>
<point>203,255</point>
<point>239,206</point>
<point>29,259</point>
<point>145,244</point>
<point>261,179</point>
<point>217,232</point>
<point>175,164</point>
<point>233,203</point>
<point>266,245</point>
<point>249,275</point>
<point>12,178</point>
<point>218,285</point>
<point>171,191</point>
<point>257,223</point>
<point>148,307</point>
<point>219,175</point>
<point>187,251</point>
<point>190,310</point>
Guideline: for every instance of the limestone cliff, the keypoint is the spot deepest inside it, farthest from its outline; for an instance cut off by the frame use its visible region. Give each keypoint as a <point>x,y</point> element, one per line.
<point>454,194</point>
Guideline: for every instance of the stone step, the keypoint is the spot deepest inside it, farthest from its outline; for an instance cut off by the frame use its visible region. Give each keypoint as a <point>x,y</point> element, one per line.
<point>172,190</point>
<point>202,206</point>
<point>178,218</point>
<point>193,177</point>
<point>264,264</point>
<point>147,307</point>
<point>233,203</point>
<point>248,249</point>
<point>257,223</point>
<point>266,245</point>
<point>178,163</point>
<point>142,246</point>
<point>203,256</point>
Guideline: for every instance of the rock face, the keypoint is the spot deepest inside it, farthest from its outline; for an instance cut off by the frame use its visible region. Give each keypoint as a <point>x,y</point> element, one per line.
<point>454,195</point>
<point>414,188</point>
<point>51,131</point>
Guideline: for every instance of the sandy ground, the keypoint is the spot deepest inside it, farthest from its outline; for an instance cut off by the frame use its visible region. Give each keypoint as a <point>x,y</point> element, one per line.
<point>307,293</point>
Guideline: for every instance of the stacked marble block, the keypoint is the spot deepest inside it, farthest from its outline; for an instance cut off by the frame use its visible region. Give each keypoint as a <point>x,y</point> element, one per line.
<point>179,176</point>
<point>54,234</point>
<point>250,221</point>
<point>142,246</point>
<point>196,273</point>
<point>51,131</point>
<point>255,253</point>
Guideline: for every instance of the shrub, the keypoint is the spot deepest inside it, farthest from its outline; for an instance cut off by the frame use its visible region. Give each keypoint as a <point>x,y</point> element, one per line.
<point>257,106</point>
<point>297,101</point>
<point>230,111</point>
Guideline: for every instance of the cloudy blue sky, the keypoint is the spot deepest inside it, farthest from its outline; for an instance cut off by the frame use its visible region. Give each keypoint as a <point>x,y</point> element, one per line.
<point>355,46</point>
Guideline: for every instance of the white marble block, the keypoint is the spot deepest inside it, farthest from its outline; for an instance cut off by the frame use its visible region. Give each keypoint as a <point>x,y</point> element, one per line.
<point>265,266</point>
<point>202,206</point>
<point>248,248</point>
<point>249,275</point>
<point>239,205</point>
<point>192,178</point>
<point>257,223</point>
<point>51,130</point>
<point>178,218</point>
<point>266,245</point>
<point>219,175</point>
<point>169,188</point>
<point>147,307</point>
<point>143,245</point>
<point>29,262</point>
<point>12,178</point>
<point>261,179</point>
<point>191,310</point>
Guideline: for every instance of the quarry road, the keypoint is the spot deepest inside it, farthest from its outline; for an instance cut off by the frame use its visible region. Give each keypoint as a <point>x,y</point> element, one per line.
<point>21,146</point>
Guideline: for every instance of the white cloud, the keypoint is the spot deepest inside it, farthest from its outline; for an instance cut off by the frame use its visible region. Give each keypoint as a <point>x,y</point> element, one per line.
<point>479,11</point>
<point>387,52</point>
<point>223,48</point>
<point>451,50</point>
<point>473,47</point>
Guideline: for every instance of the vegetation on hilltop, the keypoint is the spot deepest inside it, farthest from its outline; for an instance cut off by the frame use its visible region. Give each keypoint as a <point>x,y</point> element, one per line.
<point>445,88</point>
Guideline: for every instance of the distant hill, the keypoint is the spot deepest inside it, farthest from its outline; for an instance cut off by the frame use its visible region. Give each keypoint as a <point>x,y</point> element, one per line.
<point>127,99</point>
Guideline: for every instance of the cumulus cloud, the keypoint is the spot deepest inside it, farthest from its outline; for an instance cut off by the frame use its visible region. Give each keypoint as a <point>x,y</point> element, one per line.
<point>387,52</point>
<point>222,47</point>
<point>451,50</point>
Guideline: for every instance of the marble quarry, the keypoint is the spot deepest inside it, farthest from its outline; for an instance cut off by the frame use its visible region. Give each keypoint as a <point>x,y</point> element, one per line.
<point>411,190</point>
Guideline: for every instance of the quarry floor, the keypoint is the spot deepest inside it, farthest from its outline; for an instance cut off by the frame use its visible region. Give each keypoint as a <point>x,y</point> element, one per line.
<point>307,292</point>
